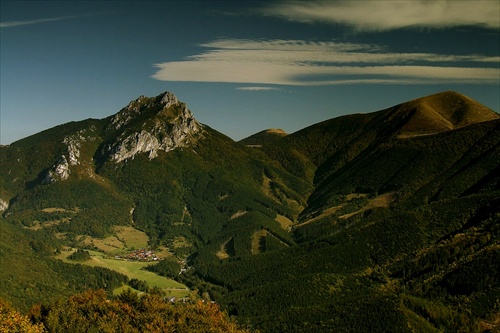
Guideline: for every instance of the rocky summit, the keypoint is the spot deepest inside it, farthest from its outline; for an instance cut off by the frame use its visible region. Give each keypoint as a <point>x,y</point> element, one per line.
<point>383,221</point>
<point>148,125</point>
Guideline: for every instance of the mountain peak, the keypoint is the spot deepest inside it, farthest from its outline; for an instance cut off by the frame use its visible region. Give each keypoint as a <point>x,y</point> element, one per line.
<point>167,98</point>
<point>441,112</point>
<point>276,131</point>
<point>142,105</point>
<point>150,124</point>
<point>263,137</point>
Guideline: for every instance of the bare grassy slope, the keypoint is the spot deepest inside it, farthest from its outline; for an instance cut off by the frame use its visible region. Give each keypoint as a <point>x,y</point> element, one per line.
<point>441,112</point>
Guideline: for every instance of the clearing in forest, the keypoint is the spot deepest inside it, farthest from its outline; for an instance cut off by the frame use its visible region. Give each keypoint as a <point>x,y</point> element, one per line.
<point>258,241</point>
<point>238,214</point>
<point>131,237</point>
<point>284,221</point>
<point>132,269</point>
<point>383,200</point>
<point>226,250</point>
<point>325,213</point>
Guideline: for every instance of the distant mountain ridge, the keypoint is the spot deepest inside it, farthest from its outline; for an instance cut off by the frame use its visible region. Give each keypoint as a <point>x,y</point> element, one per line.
<point>426,115</point>
<point>441,112</point>
<point>394,211</point>
<point>263,137</point>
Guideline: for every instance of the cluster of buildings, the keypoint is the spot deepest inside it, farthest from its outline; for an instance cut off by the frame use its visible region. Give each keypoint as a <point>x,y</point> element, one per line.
<point>143,254</point>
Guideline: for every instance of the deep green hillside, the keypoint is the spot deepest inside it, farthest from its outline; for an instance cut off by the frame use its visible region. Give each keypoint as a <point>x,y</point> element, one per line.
<point>202,193</point>
<point>30,275</point>
<point>153,167</point>
<point>383,221</point>
<point>426,204</point>
<point>399,149</point>
<point>265,137</point>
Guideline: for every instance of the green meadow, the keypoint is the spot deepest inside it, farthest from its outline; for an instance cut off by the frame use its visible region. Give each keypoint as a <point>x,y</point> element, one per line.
<point>134,270</point>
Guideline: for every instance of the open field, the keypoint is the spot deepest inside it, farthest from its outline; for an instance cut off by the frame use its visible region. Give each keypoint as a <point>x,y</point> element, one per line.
<point>61,210</point>
<point>256,240</point>
<point>266,187</point>
<point>238,214</point>
<point>131,237</point>
<point>383,200</point>
<point>327,212</point>
<point>132,269</point>
<point>124,241</point>
<point>284,221</point>
<point>222,253</point>
<point>110,245</point>
<point>121,289</point>
<point>180,241</point>
<point>37,225</point>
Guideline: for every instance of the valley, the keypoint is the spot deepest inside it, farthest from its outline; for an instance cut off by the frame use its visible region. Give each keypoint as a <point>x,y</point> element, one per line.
<point>125,251</point>
<point>133,270</point>
<point>379,221</point>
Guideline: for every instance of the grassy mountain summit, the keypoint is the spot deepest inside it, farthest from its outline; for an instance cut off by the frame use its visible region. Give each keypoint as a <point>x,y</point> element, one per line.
<point>263,137</point>
<point>401,147</point>
<point>382,221</point>
<point>442,112</point>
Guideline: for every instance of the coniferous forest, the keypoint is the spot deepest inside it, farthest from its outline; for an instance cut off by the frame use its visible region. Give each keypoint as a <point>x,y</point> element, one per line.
<point>380,222</point>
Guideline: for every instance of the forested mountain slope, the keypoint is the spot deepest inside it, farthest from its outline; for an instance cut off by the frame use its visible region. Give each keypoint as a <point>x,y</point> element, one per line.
<point>383,221</point>
<point>151,166</point>
<point>402,212</point>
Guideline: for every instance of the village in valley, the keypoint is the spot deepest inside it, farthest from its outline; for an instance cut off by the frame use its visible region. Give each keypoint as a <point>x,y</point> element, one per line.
<point>127,251</point>
<point>142,254</point>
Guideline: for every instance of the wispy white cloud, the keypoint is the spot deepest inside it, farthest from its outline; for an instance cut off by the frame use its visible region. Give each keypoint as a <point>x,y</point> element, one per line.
<point>258,88</point>
<point>383,15</point>
<point>11,24</point>
<point>297,62</point>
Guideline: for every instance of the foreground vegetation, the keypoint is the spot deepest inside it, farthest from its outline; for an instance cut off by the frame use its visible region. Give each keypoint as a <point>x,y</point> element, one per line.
<point>366,223</point>
<point>93,311</point>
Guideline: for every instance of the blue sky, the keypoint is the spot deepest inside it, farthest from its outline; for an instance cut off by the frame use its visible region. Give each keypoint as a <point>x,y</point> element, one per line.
<point>241,67</point>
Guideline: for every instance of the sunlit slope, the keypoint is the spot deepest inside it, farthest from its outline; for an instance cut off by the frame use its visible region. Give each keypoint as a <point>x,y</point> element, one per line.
<point>383,221</point>
<point>399,234</point>
<point>400,149</point>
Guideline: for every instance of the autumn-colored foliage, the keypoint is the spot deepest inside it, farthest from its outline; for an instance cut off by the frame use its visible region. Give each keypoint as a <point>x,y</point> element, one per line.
<point>92,311</point>
<point>13,321</point>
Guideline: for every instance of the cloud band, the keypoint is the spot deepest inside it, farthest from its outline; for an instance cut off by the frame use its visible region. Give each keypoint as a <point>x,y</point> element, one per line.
<point>11,24</point>
<point>378,15</point>
<point>297,62</point>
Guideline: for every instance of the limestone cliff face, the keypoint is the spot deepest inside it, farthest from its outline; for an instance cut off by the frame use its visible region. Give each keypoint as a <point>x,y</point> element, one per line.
<point>3,205</point>
<point>148,125</point>
<point>74,144</point>
<point>60,171</point>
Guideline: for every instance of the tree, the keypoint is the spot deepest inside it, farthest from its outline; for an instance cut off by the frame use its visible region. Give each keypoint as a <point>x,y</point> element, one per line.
<point>13,321</point>
<point>92,311</point>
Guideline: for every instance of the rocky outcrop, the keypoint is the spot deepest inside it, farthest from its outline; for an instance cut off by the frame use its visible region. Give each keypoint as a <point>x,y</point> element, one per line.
<point>4,205</point>
<point>149,125</point>
<point>60,171</point>
<point>138,106</point>
<point>74,145</point>
<point>135,143</point>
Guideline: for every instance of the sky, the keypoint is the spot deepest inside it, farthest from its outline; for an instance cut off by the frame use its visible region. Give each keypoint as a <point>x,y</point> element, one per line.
<point>241,67</point>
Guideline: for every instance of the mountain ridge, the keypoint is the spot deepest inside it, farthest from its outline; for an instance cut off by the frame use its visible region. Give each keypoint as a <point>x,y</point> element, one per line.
<point>440,112</point>
<point>263,137</point>
<point>388,210</point>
